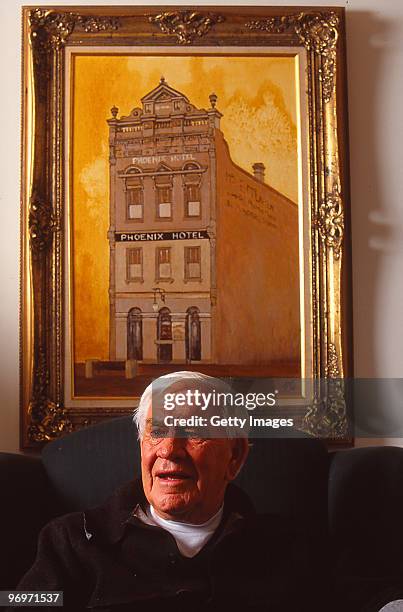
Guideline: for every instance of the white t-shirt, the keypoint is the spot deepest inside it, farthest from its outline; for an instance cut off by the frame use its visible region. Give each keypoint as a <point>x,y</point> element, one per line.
<point>189,538</point>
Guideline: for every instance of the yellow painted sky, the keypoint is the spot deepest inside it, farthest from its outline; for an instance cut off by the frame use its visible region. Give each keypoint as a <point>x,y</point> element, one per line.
<point>257,96</point>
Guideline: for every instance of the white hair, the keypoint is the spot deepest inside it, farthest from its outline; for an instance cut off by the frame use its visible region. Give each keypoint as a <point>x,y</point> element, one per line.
<point>162,384</point>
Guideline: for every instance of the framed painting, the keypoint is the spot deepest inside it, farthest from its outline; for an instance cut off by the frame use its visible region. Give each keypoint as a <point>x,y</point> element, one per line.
<point>184,206</point>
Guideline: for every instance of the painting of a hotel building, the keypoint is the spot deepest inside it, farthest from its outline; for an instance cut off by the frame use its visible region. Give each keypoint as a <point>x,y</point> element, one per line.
<point>203,255</point>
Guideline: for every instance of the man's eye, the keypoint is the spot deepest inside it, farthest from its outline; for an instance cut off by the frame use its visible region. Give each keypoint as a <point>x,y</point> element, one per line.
<point>158,431</point>
<point>194,434</point>
<point>191,433</point>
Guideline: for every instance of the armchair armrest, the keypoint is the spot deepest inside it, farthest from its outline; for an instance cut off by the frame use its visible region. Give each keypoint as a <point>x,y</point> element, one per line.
<point>28,502</point>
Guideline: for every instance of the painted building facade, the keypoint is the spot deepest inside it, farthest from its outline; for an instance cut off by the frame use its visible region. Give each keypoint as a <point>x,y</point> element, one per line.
<point>187,228</point>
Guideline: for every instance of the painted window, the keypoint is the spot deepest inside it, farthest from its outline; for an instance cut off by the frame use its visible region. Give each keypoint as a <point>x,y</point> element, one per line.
<point>134,196</point>
<point>164,201</point>
<point>163,188</point>
<point>163,256</point>
<point>134,264</point>
<point>192,200</point>
<point>192,181</point>
<point>134,199</point>
<point>192,263</point>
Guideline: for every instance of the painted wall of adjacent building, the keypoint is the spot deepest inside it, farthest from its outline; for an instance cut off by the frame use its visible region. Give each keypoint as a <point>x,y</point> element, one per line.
<point>375,81</point>
<point>251,214</point>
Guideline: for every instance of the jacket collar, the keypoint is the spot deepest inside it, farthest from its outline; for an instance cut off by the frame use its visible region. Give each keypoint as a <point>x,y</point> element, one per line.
<point>127,506</point>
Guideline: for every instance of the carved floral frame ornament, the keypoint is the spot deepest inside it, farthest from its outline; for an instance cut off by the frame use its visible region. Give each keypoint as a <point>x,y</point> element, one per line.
<point>47,31</point>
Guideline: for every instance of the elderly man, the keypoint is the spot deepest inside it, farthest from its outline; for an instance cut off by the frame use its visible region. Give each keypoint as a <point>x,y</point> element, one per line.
<point>181,536</point>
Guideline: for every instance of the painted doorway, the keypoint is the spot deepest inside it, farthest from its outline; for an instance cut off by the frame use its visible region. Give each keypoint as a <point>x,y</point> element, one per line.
<point>164,336</point>
<point>193,335</point>
<point>134,334</point>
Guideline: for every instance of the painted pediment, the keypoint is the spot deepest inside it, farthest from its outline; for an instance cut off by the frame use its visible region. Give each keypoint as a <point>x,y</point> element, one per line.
<point>162,97</point>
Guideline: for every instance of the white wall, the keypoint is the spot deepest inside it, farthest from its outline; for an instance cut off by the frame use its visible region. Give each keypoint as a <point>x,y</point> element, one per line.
<point>375,75</point>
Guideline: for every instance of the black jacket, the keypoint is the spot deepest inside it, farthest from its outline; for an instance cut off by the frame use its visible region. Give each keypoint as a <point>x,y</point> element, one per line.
<point>108,559</point>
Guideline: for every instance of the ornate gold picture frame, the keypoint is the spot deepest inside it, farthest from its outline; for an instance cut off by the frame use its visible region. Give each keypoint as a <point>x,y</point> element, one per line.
<point>104,308</point>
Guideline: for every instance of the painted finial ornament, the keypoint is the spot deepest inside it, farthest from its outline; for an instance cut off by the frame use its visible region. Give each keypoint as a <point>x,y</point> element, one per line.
<point>213,100</point>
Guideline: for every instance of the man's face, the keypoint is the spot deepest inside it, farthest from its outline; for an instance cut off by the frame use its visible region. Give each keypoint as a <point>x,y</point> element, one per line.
<point>184,479</point>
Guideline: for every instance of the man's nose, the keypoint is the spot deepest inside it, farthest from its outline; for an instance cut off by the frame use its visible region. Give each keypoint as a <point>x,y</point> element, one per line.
<point>169,448</point>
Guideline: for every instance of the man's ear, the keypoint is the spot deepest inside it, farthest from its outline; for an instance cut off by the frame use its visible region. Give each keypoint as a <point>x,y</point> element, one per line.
<point>240,450</point>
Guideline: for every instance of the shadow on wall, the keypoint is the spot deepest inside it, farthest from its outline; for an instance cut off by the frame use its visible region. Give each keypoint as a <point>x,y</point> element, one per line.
<point>375,232</point>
